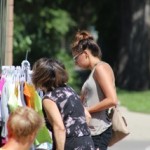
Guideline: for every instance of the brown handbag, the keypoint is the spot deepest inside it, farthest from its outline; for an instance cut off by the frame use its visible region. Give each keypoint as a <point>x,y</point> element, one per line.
<point>119,126</point>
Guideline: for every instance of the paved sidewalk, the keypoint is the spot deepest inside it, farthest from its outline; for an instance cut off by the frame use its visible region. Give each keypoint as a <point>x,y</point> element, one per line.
<point>138,124</point>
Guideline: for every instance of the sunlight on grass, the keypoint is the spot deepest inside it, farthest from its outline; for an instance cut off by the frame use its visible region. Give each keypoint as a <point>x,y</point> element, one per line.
<point>135,101</point>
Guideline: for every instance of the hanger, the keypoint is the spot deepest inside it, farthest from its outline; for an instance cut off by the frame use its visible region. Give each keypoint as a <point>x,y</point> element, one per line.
<point>25,65</point>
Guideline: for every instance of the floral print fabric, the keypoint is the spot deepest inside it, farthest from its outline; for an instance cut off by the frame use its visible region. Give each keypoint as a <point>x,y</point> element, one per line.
<point>72,112</point>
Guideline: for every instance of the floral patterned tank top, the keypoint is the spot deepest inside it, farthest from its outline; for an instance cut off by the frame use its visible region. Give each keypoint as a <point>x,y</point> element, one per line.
<point>71,109</point>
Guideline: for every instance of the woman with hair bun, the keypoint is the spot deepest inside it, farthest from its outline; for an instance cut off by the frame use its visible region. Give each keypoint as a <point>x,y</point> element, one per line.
<point>98,92</point>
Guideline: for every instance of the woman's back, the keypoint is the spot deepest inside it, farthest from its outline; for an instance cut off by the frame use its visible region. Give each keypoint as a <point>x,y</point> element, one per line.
<point>71,110</point>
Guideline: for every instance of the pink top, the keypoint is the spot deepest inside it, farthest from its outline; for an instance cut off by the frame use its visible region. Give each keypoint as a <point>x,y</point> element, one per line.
<point>2,82</point>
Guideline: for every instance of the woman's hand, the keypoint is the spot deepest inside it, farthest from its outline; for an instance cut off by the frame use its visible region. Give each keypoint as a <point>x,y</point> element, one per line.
<point>87,116</point>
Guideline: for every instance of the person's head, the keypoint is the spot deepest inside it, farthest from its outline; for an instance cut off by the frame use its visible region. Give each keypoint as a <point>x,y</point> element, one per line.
<point>24,122</point>
<point>49,74</point>
<point>83,46</point>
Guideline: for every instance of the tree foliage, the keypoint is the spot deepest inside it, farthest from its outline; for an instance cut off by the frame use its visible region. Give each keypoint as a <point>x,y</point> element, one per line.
<point>40,29</point>
<point>45,28</point>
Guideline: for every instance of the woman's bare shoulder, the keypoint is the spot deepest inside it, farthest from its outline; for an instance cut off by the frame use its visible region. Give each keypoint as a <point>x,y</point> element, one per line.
<point>103,65</point>
<point>104,68</point>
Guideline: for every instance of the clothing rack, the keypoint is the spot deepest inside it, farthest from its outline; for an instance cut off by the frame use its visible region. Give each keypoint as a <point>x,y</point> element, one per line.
<point>22,72</point>
<point>18,91</point>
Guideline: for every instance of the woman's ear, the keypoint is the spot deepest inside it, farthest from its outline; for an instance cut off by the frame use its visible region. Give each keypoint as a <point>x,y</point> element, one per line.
<point>87,53</point>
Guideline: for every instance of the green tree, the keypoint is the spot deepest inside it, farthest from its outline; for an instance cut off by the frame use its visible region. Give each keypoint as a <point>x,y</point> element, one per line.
<point>46,28</point>
<point>40,29</point>
<point>133,69</point>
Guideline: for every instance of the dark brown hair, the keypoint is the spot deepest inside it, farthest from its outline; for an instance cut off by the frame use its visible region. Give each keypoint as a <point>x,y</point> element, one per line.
<point>84,40</point>
<point>49,73</point>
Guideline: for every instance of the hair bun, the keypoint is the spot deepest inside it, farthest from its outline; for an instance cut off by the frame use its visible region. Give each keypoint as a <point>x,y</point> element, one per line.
<point>83,35</point>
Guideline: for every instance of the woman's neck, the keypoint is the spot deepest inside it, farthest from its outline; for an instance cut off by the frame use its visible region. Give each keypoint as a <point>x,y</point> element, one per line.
<point>94,62</point>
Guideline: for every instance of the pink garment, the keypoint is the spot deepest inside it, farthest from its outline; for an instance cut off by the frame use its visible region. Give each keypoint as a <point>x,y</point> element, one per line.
<point>3,141</point>
<point>2,82</point>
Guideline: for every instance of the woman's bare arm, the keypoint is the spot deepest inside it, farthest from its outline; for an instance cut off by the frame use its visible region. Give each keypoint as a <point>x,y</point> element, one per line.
<point>56,121</point>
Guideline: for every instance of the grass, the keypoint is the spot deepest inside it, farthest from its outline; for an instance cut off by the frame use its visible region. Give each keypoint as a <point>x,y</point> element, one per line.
<point>135,101</point>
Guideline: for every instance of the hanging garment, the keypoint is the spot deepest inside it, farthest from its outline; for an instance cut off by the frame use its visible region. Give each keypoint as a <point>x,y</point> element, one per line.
<point>29,93</point>
<point>2,82</point>
<point>4,107</point>
<point>43,135</point>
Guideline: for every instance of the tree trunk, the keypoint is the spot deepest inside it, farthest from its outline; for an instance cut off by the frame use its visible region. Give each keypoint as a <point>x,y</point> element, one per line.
<point>133,65</point>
